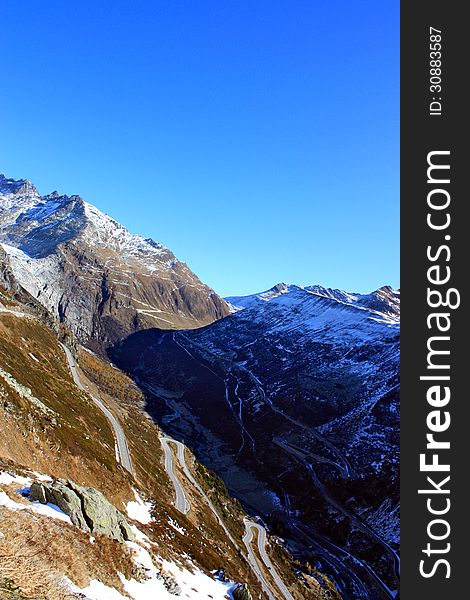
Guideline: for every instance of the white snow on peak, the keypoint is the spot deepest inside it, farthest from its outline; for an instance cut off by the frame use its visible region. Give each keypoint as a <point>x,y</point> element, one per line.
<point>383,304</point>
<point>277,290</point>
<point>334,294</point>
<point>15,186</point>
<point>14,252</point>
<point>43,209</point>
<point>23,210</point>
<point>16,197</point>
<point>241,302</point>
<point>104,230</point>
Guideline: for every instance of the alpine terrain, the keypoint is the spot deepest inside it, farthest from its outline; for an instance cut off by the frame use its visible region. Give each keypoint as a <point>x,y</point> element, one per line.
<point>159,441</point>
<point>293,400</point>
<point>92,274</point>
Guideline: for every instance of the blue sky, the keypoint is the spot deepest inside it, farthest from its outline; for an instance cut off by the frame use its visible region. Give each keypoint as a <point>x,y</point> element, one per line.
<point>259,140</point>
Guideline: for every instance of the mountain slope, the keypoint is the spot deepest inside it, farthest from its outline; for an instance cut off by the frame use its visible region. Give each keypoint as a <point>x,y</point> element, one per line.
<point>293,400</point>
<point>92,274</point>
<point>52,429</point>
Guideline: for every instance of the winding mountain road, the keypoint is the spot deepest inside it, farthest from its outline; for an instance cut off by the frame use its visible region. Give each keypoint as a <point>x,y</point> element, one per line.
<point>250,526</point>
<point>180,448</point>
<point>337,460</point>
<point>183,505</point>
<point>353,518</point>
<point>122,448</point>
<point>181,502</point>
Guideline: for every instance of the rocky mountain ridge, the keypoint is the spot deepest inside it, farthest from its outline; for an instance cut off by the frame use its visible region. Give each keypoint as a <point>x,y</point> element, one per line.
<point>93,275</point>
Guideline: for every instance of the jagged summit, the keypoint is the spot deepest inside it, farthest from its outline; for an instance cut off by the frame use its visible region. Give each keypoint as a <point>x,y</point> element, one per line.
<point>15,186</point>
<point>94,275</point>
<point>33,220</point>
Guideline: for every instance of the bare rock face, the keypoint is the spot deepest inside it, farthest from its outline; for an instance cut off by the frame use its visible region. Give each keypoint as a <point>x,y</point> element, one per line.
<point>242,593</point>
<point>93,275</point>
<point>18,293</point>
<point>87,508</point>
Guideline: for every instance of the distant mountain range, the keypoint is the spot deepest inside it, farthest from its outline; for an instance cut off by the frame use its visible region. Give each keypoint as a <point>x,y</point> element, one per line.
<point>291,395</point>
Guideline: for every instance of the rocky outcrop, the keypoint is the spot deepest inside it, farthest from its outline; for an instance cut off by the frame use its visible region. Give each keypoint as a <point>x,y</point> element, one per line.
<point>87,508</point>
<point>242,593</point>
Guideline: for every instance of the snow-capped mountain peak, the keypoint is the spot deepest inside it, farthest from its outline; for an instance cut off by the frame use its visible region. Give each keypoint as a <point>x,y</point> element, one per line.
<point>15,197</point>
<point>68,253</point>
<point>30,223</point>
<point>104,231</point>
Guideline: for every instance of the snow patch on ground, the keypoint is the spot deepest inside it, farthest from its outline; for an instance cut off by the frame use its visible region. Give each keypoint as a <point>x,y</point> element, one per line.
<point>47,510</point>
<point>163,579</point>
<point>97,591</point>
<point>196,585</point>
<point>22,485</point>
<point>139,510</point>
<point>141,537</point>
<point>172,523</point>
<point>41,477</point>
<point>8,479</point>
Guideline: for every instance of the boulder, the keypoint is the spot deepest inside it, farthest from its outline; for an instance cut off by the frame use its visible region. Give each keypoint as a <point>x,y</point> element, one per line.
<point>87,508</point>
<point>37,493</point>
<point>102,517</point>
<point>61,495</point>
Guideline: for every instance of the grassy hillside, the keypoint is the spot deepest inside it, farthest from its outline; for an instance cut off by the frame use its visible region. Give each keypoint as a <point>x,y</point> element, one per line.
<point>50,426</point>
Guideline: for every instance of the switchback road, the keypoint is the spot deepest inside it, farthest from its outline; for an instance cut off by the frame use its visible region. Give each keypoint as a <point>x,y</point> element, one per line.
<point>250,526</point>
<point>181,502</point>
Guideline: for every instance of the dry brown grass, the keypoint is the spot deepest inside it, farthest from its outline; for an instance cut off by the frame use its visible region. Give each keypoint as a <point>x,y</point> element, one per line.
<point>109,379</point>
<point>22,572</point>
<point>79,444</point>
<point>36,551</point>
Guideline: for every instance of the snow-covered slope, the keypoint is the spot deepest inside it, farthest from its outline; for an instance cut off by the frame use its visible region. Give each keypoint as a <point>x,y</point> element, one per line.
<point>91,273</point>
<point>385,301</point>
